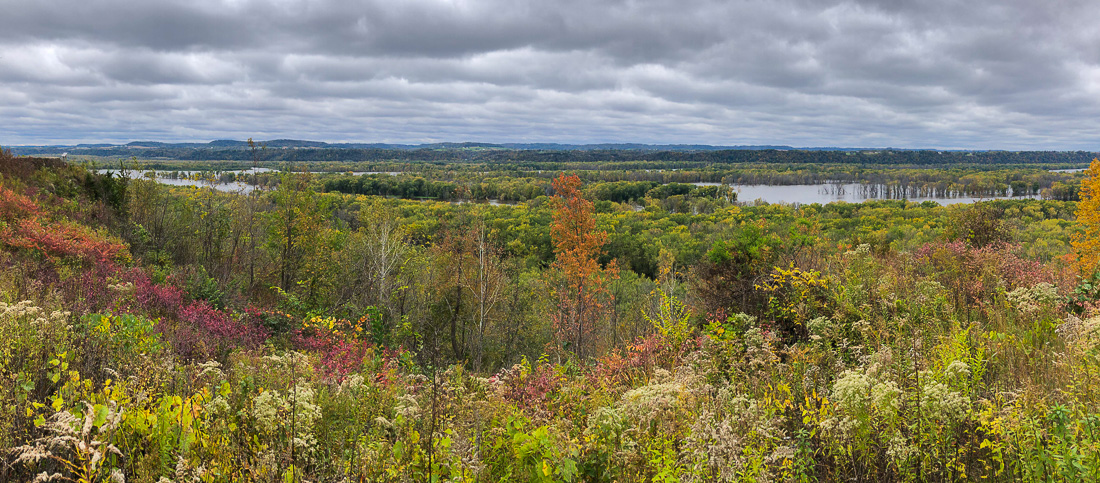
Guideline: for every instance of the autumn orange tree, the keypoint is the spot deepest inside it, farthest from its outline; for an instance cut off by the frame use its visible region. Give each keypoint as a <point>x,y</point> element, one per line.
<point>581,296</point>
<point>1086,242</point>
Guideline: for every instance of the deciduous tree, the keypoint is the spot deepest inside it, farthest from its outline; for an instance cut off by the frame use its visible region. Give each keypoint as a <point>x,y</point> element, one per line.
<point>582,296</point>
<point>385,250</point>
<point>486,283</point>
<point>295,225</point>
<point>1086,242</point>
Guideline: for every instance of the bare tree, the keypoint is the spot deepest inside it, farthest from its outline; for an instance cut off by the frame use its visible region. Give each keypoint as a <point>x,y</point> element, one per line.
<point>486,282</point>
<point>385,250</point>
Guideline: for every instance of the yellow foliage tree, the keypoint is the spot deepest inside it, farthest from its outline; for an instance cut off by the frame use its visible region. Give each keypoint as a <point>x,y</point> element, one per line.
<point>1086,242</point>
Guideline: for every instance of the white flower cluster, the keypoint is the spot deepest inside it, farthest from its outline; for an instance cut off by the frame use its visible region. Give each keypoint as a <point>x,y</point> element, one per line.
<point>351,384</point>
<point>212,369</point>
<point>759,348</point>
<point>657,402</point>
<point>218,407</point>
<point>855,391</point>
<point>864,403</point>
<point>121,287</point>
<point>186,472</point>
<point>407,406</point>
<point>958,373</point>
<point>27,309</point>
<point>867,406</point>
<point>861,249</point>
<point>899,449</point>
<point>290,411</point>
<point>1032,299</point>
<point>290,360</point>
<point>823,329</point>
<point>84,440</point>
<point>928,290</point>
<point>413,382</point>
<point>1082,333</point>
<point>735,436</point>
<point>266,408</point>
<point>943,404</point>
<point>715,449</point>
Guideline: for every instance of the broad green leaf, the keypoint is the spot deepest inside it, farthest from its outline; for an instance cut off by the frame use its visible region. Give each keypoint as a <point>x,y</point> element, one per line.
<point>101,412</point>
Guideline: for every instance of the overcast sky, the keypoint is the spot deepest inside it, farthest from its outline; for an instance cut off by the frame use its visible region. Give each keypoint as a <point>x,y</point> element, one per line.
<point>1016,74</point>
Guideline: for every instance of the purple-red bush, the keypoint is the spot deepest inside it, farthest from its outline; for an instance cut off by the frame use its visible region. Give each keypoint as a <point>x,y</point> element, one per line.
<point>338,356</point>
<point>528,388</point>
<point>203,316</point>
<point>204,332</point>
<point>154,299</point>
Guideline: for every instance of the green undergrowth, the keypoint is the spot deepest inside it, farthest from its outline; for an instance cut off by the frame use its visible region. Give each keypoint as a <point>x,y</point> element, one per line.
<point>163,335</point>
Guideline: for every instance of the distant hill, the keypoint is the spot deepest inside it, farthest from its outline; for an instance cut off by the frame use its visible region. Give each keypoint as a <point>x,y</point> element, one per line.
<point>120,149</point>
<point>293,150</point>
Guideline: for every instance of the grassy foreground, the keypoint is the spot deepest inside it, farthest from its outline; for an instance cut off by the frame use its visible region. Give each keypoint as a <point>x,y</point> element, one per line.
<point>959,360</point>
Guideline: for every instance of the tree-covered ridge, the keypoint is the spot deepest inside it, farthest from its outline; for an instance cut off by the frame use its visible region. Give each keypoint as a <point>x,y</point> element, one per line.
<point>555,157</point>
<point>295,334</point>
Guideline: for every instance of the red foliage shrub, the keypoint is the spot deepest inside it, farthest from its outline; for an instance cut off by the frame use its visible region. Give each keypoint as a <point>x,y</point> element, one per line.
<point>204,332</point>
<point>344,357</point>
<point>201,315</point>
<point>187,342</point>
<point>64,240</point>
<point>16,206</point>
<point>338,356</point>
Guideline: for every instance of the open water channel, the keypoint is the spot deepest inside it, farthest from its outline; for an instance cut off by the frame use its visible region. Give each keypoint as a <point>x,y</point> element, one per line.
<point>792,194</point>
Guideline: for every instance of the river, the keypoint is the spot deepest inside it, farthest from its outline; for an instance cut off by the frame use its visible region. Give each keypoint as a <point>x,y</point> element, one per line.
<point>793,194</point>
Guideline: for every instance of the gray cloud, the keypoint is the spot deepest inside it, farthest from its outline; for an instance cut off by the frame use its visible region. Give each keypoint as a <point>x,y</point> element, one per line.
<point>940,73</point>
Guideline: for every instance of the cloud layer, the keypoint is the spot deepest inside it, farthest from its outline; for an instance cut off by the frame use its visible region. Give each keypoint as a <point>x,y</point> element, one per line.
<point>940,73</point>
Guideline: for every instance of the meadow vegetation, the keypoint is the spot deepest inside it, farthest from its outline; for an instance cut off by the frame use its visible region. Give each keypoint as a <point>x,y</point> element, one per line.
<point>304,333</point>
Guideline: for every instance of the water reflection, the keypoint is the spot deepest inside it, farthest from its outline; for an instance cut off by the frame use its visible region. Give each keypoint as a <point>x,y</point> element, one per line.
<point>219,180</point>
<point>849,192</point>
